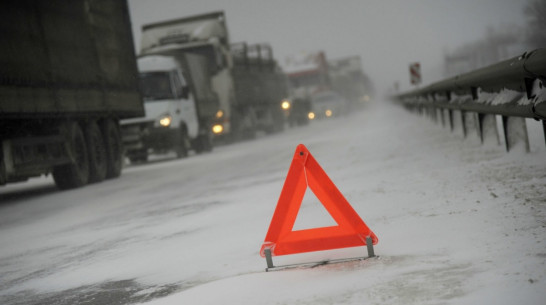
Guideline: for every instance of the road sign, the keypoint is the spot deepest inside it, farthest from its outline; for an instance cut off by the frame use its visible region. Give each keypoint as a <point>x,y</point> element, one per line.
<point>415,73</point>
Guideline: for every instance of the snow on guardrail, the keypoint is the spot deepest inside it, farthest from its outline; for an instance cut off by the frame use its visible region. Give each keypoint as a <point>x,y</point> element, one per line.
<point>514,89</point>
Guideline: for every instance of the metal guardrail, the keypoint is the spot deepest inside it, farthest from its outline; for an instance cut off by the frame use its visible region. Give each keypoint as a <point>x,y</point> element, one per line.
<point>514,88</point>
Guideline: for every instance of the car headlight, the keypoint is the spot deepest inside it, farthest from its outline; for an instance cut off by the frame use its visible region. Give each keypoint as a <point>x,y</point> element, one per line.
<point>328,113</point>
<point>311,115</point>
<point>165,120</point>
<point>219,114</point>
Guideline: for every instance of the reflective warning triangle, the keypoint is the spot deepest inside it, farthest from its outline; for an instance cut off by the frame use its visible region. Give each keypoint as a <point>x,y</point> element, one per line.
<point>305,172</point>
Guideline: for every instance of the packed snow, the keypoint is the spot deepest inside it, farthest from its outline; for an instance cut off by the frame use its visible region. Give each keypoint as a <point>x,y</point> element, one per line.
<point>458,223</point>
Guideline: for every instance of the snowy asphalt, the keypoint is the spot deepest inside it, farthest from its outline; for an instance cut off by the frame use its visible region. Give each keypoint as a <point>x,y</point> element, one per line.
<point>171,225</point>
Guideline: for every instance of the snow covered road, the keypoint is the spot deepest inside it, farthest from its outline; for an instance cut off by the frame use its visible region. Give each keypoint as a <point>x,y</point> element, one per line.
<point>457,222</point>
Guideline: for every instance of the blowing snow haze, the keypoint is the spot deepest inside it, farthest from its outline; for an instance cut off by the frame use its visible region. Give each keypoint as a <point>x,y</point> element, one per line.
<point>388,35</point>
<point>457,203</point>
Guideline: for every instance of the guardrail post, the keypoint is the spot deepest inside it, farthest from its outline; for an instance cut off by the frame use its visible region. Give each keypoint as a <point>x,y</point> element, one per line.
<point>450,116</point>
<point>434,111</point>
<point>487,127</point>
<point>481,118</point>
<point>515,131</point>
<point>442,117</point>
<point>544,128</point>
<point>463,120</point>
<point>476,124</point>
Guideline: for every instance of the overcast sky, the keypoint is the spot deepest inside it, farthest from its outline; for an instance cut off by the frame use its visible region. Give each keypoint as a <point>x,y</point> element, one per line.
<point>388,35</point>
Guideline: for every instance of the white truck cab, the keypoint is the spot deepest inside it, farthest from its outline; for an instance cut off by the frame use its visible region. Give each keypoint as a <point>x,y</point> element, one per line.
<point>171,118</point>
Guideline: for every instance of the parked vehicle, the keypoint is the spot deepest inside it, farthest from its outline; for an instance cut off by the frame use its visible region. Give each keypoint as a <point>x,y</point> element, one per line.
<point>68,75</point>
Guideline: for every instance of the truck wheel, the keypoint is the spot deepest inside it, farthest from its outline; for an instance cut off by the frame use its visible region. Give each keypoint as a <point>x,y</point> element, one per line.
<point>114,149</point>
<point>203,143</point>
<point>207,145</point>
<point>279,125</point>
<point>180,144</point>
<point>98,164</point>
<point>2,169</point>
<point>249,134</point>
<point>140,156</point>
<point>75,174</point>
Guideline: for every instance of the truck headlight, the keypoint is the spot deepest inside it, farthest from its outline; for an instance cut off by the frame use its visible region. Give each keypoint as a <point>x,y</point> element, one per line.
<point>165,120</point>
<point>217,129</point>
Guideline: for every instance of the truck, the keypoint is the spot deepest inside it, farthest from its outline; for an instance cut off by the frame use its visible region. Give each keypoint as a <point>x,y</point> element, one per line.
<point>242,84</point>
<point>311,88</point>
<point>348,78</point>
<point>307,72</point>
<point>68,76</point>
<point>178,109</point>
<point>260,87</point>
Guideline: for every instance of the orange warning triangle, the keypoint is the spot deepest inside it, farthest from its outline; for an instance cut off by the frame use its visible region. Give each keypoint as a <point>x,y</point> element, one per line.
<point>305,172</point>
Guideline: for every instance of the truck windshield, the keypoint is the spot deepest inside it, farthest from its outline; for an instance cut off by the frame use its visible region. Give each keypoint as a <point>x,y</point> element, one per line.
<point>156,86</point>
<point>306,80</point>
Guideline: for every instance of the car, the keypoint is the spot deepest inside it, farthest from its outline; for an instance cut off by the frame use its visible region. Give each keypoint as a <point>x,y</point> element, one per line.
<point>326,104</point>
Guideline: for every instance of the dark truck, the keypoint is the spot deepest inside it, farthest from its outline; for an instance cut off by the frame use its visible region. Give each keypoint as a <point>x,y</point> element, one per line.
<point>68,75</point>
<point>260,88</point>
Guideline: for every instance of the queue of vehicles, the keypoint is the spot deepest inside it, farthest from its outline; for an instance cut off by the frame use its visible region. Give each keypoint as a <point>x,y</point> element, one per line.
<point>214,90</point>
<point>327,88</point>
<point>77,117</point>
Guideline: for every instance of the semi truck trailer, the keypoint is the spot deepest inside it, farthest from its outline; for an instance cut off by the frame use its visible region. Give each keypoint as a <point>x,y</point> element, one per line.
<point>68,75</point>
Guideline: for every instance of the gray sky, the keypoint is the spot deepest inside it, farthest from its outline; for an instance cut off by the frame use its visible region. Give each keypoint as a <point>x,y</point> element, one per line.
<point>388,35</point>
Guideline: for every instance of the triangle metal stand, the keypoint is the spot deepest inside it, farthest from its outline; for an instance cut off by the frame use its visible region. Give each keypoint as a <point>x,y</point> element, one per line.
<point>271,267</point>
